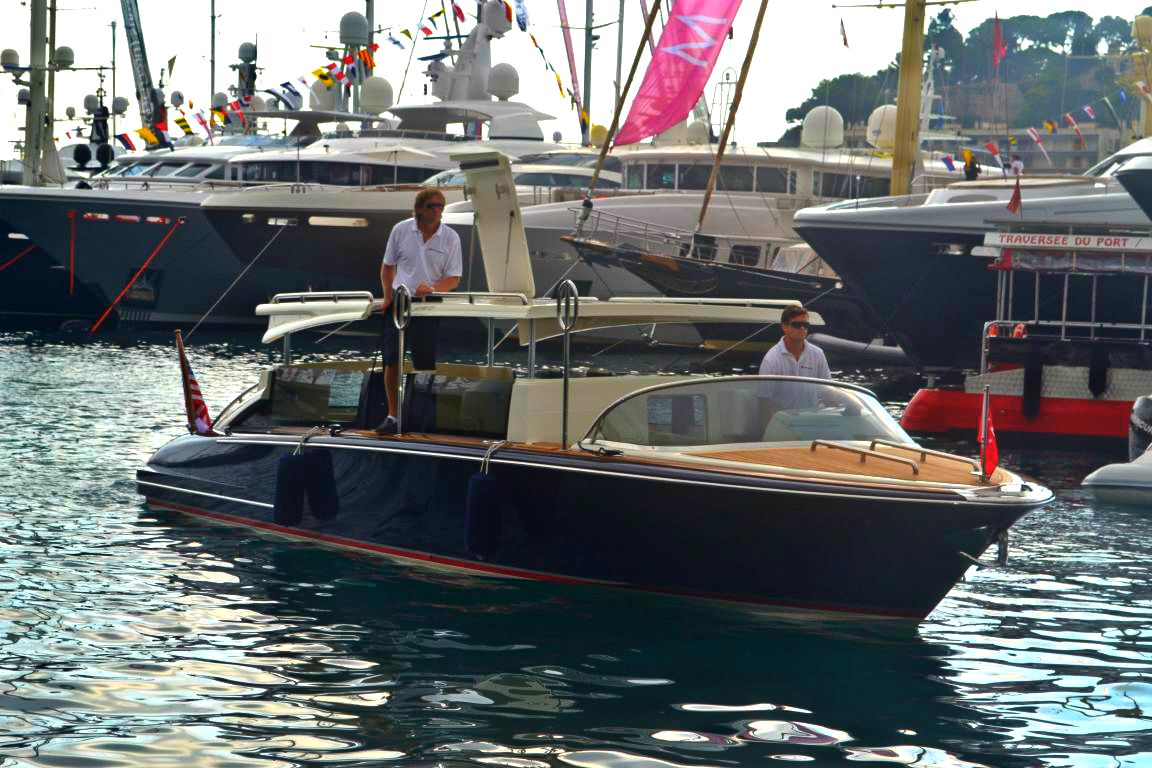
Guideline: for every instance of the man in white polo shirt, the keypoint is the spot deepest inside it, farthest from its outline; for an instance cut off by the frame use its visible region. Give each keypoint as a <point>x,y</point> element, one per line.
<point>793,355</point>
<point>423,256</point>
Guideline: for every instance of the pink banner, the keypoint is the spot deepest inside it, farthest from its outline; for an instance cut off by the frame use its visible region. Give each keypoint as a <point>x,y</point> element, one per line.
<point>680,68</point>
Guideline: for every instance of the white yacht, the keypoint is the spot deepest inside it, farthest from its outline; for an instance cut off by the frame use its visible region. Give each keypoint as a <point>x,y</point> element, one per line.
<point>911,257</point>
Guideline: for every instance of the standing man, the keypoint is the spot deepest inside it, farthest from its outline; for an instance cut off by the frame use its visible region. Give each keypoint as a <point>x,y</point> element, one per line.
<point>793,355</point>
<point>424,257</point>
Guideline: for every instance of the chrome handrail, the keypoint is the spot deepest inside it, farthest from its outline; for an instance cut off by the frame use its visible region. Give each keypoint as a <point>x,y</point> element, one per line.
<point>864,453</point>
<point>925,452</point>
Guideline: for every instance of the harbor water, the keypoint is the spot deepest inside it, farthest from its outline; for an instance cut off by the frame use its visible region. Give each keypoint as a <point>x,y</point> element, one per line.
<point>134,637</point>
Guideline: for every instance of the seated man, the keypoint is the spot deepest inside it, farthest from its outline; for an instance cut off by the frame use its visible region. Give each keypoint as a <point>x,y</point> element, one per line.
<point>793,355</point>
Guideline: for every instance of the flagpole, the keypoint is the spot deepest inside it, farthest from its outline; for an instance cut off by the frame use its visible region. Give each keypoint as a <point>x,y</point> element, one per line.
<point>189,413</point>
<point>616,114</point>
<point>983,433</point>
<point>714,175</point>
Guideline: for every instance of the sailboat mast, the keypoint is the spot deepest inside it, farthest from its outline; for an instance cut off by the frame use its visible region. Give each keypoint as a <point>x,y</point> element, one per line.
<point>212,55</point>
<point>37,87</point>
<point>589,41</point>
<point>907,147</point>
<point>712,177</point>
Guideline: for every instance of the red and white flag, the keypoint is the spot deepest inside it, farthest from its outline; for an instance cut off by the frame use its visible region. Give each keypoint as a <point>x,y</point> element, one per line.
<point>1089,111</point>
<point>1035,134</point>
<point>199,422</point>
<point>989,452</point>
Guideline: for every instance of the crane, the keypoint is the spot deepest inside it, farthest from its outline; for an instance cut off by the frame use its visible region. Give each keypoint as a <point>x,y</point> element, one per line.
<point>151,101</point>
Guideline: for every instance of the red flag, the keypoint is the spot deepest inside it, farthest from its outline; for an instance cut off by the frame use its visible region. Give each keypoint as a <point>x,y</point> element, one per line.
<point>843,33</point>
<point>1075,126</point>
<point>458,11</point>
<point>999,49</point>
<point>199,422</point>
<point>1090,112</point>
<point>991,147</point>
<point>1014,204</point>
<point>989,452</point>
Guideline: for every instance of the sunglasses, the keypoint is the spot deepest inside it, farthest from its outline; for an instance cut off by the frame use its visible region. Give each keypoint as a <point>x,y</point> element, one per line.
<point>800,324</point>
<point>434,205</point>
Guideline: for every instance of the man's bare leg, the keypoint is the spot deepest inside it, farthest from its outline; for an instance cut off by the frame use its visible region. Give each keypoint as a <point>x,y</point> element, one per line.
<point>392,387</point>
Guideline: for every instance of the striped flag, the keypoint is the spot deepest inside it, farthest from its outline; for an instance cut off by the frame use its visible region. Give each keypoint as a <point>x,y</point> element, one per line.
<point>1035,135</point>
<point>365,56</point>
<point>1050,126</point>
<point>239,112</point>
<point>392,39</point>
<point>203,123</point>
<point>322,75</point>
<point>184,126</point>
<point>1075,126</point>
<point>147,135</point>
<point>949,163</point>
<point>126,141</point>
<point>199,422</point>
<point>1090,112</point>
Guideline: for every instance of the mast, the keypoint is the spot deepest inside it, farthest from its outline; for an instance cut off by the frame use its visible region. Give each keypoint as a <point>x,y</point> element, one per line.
<point>37,106</point>
<point>732,113</point>
<point>113,25</point>
<point>907,147</point>
<point>212,53</point>
<point>589,41</point>
<point>619,51</point>
<point>151,107</point>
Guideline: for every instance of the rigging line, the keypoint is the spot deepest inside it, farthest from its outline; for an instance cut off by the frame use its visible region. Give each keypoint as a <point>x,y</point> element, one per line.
<point>737,343</point>
<point>239,277</point>
<point>411,52</point>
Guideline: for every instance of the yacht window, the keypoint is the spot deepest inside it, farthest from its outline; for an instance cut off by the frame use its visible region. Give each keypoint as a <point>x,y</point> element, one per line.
<point>537,179</point>
<point>635,176</point>
<point>402,174</point>
<point>873,186</point>
<point>661,176</point>
<point>308,395</point>
<point>137,169</point>
<point>746,410</point>
<point>193,170</point>
<point>215,173</point>
<point>735,178</point>
<point>165,169</point>
<point>744,255</point>
<point>694,176</point>
<point>337,174</point>
<point>837,185</point>
<point>772,180</point>
<point>603,183</point>
<point>446,178</point>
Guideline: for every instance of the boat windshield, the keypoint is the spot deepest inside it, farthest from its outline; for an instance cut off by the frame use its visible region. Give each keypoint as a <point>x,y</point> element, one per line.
<point>745,409</point>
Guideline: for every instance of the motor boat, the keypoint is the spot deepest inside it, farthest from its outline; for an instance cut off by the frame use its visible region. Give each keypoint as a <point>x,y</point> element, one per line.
<point>909,257</point>
<point>759,490</point>
<point>1128,483</point>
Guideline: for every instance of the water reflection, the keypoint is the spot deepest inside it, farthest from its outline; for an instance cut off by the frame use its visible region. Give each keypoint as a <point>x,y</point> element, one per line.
<point>141,638</point>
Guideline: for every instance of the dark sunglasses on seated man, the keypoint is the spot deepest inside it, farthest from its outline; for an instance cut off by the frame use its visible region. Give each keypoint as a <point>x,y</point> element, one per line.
<point>433,205</point>
<point>800,324</point>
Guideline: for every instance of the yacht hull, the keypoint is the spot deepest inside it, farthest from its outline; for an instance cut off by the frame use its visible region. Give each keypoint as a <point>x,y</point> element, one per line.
<point>114,235</point>
<point>34,290</point>
<point>574,517</point>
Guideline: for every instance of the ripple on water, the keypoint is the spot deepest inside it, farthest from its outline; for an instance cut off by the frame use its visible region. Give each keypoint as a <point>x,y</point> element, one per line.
<point>139,638</point>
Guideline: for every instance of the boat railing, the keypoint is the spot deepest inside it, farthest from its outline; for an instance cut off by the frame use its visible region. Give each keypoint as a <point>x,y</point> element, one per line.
<point>623,231</point>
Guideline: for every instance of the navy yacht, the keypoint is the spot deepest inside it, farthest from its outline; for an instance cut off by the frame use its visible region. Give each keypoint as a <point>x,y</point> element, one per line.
<point>759,490</point>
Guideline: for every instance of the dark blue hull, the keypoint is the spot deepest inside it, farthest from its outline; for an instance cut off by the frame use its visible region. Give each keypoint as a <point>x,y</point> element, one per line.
<point>581,518</point>
<point>34,290</point>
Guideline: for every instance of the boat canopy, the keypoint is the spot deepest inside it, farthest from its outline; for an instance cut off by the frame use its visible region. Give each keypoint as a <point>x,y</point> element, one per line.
<point>290,313</point>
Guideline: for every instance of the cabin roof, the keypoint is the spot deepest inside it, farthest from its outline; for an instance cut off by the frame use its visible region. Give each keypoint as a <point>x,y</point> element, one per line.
<point>294,312</point>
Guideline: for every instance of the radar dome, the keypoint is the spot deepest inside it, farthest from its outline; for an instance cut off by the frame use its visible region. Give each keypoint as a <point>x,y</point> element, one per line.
<point>70,112</point>
<point>493,14</point>
<point>91,103</point>
<point>64,57</point>
<point>9,59</point>
<point>320,97</point>
<point>177,99</point>
<point>503,81</point>
<point>219,100</point>
<point>597,135</point>
<point>698,133</point>
<point>882,127</point>
<point>119,105</point>
<point>823,128</point>
<point>354,29</point>
<point>257,104</point>
<point>375,95</point>
<point>23,97</point>
<point>247,52</point>
<point>273,105</point>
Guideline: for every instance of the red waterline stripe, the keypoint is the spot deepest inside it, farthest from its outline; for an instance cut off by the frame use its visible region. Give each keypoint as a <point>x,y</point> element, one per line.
<point>496,570</point>
<point>17,257</point>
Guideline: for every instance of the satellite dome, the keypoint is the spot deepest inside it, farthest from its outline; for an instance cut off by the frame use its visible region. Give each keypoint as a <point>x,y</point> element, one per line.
<point>91,103</point>
<point>23,96</point>
<point>219,100</point>
<point>823,128</point>
<point>493,15</point>
<point>247,52</point>
<point>503,81</point>
<point>375,95</point>
<point>273,105</point>
<point>354,29</point>
<point>120,105</point>
<point>63,57</point>
<point>177,99</point>
<point>258,104</point>
<point>9,59</point>
<point>320,97</point>
<point>70,112</point>
<point>882,127</point>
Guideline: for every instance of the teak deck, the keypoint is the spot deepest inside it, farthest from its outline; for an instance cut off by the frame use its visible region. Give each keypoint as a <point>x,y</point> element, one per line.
<point>932,469</point>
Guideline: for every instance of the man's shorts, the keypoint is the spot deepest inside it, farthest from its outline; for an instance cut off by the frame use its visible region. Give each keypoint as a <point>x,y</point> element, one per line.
<point>419,338</point>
